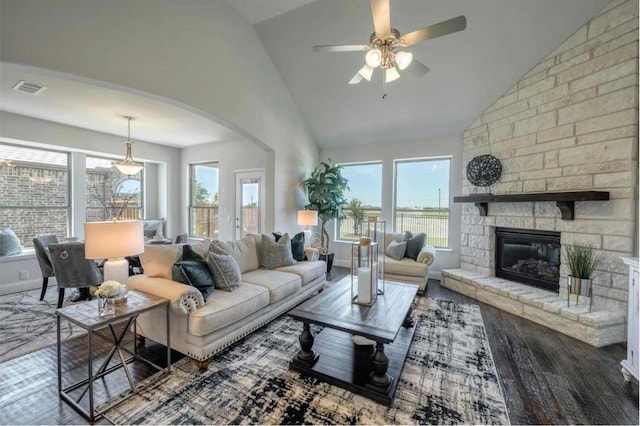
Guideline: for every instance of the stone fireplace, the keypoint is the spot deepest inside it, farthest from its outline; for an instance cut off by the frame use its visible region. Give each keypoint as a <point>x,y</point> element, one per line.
<point>569,124</point>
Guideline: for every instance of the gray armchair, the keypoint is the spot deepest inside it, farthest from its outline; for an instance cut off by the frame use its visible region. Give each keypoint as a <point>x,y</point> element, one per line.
<point>40,245</point>
<point>71,268</point>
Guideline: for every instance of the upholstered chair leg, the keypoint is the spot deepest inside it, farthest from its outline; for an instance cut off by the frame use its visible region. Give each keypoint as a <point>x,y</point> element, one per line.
<point>141,340</point>
<point>45,282</point>
<point>60,296</point>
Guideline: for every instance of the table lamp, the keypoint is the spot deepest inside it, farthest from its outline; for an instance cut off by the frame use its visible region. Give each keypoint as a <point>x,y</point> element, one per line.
<point>307,218</point>
<point>113,240</point>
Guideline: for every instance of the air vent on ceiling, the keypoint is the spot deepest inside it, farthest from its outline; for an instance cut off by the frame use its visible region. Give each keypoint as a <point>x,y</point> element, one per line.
<point>28,87</point>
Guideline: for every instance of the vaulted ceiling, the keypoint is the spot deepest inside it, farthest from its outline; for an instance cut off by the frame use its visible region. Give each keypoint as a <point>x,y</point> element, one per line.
<point>468,70</point>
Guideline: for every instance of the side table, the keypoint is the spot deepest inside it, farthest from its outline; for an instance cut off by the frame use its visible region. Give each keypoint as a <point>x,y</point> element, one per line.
<point>85,315</point>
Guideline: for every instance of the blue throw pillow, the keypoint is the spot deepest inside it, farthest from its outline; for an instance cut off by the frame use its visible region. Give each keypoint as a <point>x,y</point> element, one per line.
<point>193,270</point>
<point>297,247</point>
<point>414,245</point>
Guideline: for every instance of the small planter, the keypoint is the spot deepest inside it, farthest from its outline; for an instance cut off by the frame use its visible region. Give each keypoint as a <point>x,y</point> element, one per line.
<point>579,287</point>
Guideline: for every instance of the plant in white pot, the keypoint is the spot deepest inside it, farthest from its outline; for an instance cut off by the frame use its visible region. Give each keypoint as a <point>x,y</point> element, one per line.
<point>582,261</point>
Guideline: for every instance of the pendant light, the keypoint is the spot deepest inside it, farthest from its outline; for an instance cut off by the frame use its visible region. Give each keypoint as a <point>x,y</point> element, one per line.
<point>128,166</point>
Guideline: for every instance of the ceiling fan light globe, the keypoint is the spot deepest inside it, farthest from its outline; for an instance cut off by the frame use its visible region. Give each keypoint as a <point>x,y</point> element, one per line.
<point>391,74</point>
<point>403,59</point>
<point>373,57</point>
<point>366,72</point>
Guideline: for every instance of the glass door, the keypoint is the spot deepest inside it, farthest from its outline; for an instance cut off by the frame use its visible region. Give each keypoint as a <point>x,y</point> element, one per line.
<point>249,215</point>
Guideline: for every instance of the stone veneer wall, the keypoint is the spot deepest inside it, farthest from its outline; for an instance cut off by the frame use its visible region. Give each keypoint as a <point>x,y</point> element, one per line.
<point>569,124</point>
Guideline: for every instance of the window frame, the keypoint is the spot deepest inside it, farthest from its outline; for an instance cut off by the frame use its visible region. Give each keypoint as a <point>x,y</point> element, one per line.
<point>378,212</point>
<point>430,238</point>
<point>192,204</point>
<point>25,239</point>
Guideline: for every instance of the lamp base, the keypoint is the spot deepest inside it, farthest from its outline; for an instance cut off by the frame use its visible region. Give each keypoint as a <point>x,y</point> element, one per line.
<point>307,238</point>
<point>117,270</point>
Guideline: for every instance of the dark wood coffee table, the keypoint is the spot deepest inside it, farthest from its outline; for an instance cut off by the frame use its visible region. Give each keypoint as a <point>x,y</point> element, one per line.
<point>332,356</point>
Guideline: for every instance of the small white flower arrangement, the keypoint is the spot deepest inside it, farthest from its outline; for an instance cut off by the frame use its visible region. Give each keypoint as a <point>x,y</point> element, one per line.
<point>109,289</point>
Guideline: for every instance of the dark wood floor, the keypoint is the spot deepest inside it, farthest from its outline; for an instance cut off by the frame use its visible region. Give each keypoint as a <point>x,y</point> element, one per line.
<point>547,377</point>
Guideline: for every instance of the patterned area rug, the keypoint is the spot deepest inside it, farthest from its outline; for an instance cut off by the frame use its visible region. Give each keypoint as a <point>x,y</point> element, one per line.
<point>449,378</point>
<point>28,324</point>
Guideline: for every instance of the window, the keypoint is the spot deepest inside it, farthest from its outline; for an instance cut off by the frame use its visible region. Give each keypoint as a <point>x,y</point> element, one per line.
<point>110,194</point>
<point>364,198</point>
<point>34,192</point>
<point>422,198</point>
<point>203,204</point>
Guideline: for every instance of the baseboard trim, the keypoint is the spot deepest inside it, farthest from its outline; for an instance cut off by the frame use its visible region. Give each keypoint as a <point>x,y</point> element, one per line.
<point>19,286</point>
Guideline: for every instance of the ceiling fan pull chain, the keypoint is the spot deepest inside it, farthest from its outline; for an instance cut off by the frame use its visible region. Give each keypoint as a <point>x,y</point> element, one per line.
<point>384,88</point>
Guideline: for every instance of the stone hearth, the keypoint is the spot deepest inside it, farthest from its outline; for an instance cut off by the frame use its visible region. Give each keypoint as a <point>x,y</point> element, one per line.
<point>598,328</point>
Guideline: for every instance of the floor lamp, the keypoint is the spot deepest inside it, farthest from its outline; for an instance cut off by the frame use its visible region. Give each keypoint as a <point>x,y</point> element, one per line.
<point>307,218</point>
<point>113,240</point>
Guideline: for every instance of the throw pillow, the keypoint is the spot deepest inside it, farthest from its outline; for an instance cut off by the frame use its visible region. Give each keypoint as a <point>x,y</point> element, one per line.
<point>414,245</point>
<point>297,247</point>
<point>196,274</point>
<point>225,271</point>
<point>276,254</point>
<point>9,243</point>
<point>396,250</point>
<point>153,227</point>
<point>157,260</point>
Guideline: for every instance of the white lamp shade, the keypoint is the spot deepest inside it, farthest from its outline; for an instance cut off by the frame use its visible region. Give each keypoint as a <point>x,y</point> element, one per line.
<point>391,74</point>
<point>307,217</point>
<point>403,59</point>
<point>373,57</point>
<point>113,239</point>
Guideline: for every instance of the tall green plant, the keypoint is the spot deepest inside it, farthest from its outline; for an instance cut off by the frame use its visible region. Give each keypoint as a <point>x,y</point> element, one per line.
<point>325,190</point>
<point>581,260</point>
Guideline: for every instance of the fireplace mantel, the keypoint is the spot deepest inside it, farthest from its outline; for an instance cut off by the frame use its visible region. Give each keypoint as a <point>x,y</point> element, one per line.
<point>565,201</point>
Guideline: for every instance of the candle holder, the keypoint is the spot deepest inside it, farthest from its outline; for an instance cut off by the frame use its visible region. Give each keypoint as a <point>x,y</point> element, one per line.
<point>364,273</point>
<point>376,230</point>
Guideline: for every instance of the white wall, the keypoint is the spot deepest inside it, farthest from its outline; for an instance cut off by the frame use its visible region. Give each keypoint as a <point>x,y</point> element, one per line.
<point>200,53</point>
<point>387,153</point>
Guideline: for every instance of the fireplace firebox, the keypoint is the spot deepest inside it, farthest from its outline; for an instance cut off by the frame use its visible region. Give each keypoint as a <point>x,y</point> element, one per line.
<point>529,257</point>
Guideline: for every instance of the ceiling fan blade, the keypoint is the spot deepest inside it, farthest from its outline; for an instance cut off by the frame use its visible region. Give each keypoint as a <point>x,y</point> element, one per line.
<point>356,79</point>
<point>436,30</point>
<point>417,68</point>
<point>381,17</point>
<point>341,48</point>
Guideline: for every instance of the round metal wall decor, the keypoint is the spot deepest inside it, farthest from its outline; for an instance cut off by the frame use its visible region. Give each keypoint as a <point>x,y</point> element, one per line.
<point>484,170</point>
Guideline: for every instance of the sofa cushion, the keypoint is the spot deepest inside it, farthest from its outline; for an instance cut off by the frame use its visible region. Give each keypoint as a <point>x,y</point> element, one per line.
<point>307,271</point>
<point>224,308</point>
<point>158,260</point>
<point>225,271</point>
<point>276,254</point>
<point>396,250</point>
<point>243,251</point>
<point>9,243</point>
<point>280,284</point>
<point>414,245</point>
<point>405,266</point>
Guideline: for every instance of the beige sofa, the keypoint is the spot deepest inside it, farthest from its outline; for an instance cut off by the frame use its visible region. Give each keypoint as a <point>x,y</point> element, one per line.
<point>200,329</point>
<point>406,269</point>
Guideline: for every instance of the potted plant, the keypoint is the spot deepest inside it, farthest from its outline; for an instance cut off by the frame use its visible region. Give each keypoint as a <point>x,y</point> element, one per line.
<point>582,261</point>
<point>325,190</point>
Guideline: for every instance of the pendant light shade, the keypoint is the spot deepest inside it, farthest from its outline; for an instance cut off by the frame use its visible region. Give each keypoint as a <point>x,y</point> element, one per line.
<point>128,166</point>
<point>373,58</point>
<point>403,59</point>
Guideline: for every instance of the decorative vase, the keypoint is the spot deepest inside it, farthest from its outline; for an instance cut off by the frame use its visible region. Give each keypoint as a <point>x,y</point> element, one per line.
<point>106,307</point>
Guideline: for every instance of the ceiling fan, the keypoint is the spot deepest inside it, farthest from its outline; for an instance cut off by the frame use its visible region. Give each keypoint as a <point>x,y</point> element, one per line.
<point>385,43</point>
